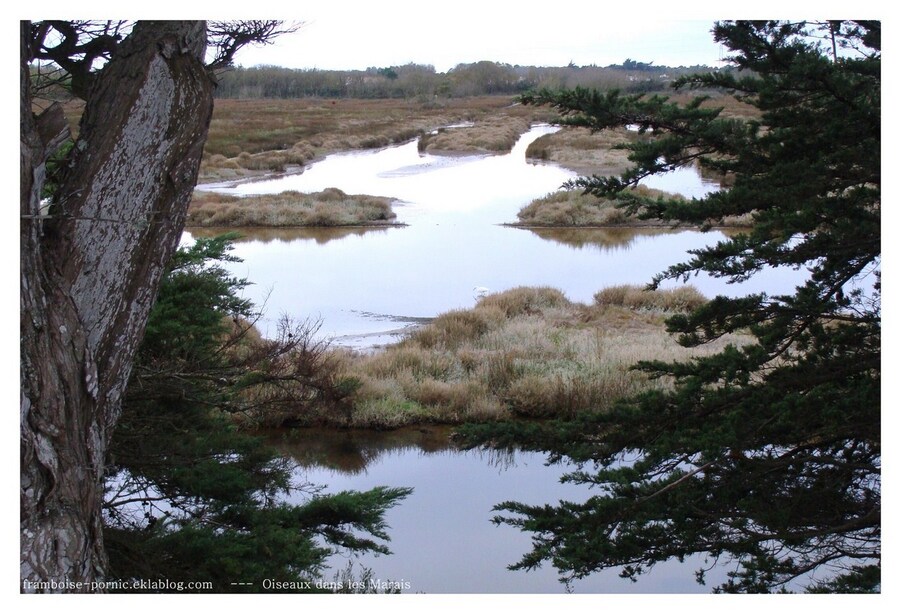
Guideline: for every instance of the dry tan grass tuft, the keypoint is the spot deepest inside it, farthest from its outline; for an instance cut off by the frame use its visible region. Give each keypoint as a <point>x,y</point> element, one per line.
<point>331,207</point>
<point>574,208</point>
<point>684,298</point>
<point>493,135</point>
<point>584,152</point>
<point>525,352</point>
<point>525,300</point>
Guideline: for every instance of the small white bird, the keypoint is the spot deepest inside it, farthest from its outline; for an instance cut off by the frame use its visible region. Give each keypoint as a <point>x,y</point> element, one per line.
<point>480,292</point>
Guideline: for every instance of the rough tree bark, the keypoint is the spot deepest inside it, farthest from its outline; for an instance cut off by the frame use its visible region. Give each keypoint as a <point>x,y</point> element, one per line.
<point>89,274</point>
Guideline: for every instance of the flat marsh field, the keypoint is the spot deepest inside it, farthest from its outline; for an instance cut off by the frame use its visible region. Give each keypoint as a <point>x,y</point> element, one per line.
<point>255,137</point>
<point>249,137</point>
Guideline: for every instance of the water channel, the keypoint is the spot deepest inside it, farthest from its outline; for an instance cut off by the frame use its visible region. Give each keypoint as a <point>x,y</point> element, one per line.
<point>365,284</point>
<point>368,284</point>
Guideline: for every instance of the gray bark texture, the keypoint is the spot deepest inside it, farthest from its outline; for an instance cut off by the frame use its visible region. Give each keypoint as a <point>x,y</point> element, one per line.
<point>89,275</point>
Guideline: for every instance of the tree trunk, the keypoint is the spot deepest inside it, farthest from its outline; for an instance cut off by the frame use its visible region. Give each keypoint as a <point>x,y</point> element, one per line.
<point>89,275</point>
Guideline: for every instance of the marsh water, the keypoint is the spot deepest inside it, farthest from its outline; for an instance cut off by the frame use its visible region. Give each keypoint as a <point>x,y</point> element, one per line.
<point>442,537</point>
<point>369,285</point>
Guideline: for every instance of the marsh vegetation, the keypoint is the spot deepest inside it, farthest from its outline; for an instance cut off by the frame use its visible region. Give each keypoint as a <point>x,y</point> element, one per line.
<point>522,353</point>
<point>490,135</point>
<point>327,208</point>
<point>252,137</point>
<point>584,151</point>
<point>575,208</point>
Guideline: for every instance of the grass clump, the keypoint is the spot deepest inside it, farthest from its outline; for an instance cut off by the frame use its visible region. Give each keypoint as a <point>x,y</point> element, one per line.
<point>493,135</point>
<point>330,207</point>
<point>571,208</point>
<point>574,208</point>
<point>455,328</point>
<point>583,151</point>
<point>525,300</point>
<point>526,352</point>
<point>684,298</point>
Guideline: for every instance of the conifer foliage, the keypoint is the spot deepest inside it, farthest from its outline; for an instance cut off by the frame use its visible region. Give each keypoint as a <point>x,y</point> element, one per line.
<point>765,457</point>
<point>189,496</point>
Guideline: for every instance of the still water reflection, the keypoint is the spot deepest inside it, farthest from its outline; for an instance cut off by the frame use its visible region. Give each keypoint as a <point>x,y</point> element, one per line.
<point>442,539</point>
<point>367,284</point>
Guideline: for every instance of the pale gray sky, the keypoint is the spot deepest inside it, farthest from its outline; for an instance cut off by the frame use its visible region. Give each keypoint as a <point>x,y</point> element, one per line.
<point>349,35</point>
<point>355,34</point>
<point>345,34</point>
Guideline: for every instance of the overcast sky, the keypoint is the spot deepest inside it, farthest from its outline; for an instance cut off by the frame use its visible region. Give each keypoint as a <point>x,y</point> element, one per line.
<point>350,34</point>
<point>357,34</point>
<point>353,35</point>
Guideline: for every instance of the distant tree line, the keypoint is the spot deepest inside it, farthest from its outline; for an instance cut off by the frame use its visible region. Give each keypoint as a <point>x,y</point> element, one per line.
<point>422,81</point>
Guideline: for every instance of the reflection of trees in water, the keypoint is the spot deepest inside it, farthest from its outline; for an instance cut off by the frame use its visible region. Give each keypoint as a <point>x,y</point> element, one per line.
<point>501,458</point>
<point>286,235</point>
<point>604,239</point>
<point>711,176</point>
<point>351,451</point>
